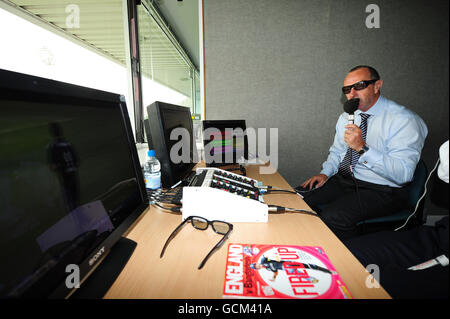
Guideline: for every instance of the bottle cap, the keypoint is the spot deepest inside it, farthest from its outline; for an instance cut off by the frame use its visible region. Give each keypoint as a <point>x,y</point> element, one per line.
<point>151,153</point>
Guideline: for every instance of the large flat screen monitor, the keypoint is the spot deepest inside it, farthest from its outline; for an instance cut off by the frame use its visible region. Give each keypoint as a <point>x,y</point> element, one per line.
<point>171,136</point>
<point>70,183</point>
<point>225,142</point>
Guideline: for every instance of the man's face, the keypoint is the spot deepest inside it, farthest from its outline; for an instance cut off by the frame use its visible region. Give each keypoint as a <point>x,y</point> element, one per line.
<point>367,96</point>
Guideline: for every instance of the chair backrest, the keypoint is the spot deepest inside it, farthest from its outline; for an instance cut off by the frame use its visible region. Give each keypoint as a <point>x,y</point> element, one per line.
<point>438,191</point>
<point>417,186</point>
<point>415,191</point>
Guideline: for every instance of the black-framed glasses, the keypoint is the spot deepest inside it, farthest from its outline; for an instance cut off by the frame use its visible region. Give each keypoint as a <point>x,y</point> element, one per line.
<point>361,85</point>
<point>220,227</point>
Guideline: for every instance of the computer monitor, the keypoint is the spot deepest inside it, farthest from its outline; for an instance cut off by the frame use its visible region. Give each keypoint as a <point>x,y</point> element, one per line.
<point>70,183</point>
<point>171,136</point>
<point>147,133</point>
<point>225,142</point>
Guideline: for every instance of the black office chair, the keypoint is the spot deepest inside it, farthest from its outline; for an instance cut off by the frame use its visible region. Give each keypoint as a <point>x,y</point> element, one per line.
<point>438,191</point>
<point>415,189</point>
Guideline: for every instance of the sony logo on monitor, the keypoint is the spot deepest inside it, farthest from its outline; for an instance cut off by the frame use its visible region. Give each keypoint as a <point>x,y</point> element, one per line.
<point>96,256</point>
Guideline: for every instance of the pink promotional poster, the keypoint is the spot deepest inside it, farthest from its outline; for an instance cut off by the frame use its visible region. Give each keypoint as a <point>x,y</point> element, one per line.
<point>281,271</point>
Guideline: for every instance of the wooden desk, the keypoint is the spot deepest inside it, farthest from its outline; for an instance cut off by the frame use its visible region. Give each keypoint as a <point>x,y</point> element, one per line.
<point>176,274</point>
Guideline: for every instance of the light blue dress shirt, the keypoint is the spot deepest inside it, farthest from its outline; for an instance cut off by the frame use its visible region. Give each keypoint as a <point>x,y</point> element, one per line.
<point>395,137</point>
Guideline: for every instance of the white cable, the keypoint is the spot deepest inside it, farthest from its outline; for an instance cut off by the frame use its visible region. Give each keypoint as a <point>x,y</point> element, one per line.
<point>423,195</point>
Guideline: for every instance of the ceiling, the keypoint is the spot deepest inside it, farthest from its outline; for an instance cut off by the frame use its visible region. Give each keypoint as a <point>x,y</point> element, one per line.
<point>101,29</point>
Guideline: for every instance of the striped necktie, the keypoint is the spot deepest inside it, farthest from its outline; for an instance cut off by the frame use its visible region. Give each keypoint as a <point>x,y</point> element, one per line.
<point>352,156</point>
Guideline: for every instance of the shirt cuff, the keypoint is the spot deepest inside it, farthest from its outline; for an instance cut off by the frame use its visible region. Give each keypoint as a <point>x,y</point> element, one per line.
<point>370,158</point>
<point>327,171</point>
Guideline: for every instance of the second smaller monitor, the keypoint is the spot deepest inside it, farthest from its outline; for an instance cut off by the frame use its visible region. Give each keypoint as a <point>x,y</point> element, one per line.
<point>170,128</point>
<point>225,142</point>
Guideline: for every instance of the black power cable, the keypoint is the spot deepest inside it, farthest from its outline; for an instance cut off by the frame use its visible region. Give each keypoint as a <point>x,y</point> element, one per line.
<point>275,209</point>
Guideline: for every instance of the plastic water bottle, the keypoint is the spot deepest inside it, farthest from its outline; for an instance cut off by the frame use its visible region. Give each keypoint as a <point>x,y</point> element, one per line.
<point>152,174</point>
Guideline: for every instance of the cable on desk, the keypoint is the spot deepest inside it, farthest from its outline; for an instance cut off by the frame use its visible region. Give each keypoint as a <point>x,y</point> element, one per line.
<point>169,196</point>
<point>272,189</point>
<point>280,191</point>
<point>172,209</point>
<point>170,201</point>
<point>274,209</point>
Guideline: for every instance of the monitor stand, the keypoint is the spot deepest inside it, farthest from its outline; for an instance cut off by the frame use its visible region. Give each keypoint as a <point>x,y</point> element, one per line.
<point>98,283</point>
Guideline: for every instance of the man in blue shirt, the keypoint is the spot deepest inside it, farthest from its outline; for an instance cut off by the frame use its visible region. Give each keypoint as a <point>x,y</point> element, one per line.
<point>383,161</point>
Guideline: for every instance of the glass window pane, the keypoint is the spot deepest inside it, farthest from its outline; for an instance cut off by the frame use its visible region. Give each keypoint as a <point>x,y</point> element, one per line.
<point>197,107</point>
<point>77,42</point>
<point>166,77</point>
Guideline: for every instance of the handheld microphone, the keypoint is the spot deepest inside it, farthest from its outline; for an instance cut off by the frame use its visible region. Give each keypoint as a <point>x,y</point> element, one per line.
<point>350,107</point>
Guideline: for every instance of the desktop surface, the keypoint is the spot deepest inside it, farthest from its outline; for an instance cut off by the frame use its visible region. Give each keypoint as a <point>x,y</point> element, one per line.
<point>176,275</point>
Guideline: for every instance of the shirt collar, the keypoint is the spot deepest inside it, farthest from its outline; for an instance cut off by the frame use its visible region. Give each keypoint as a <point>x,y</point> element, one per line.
<point>377,108</point>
